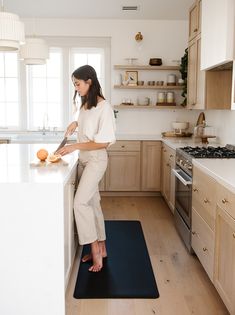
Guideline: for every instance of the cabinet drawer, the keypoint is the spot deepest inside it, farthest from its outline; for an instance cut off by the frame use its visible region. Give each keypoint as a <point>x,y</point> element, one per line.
<point>203,243</point>
<point>226,200</point>
<point>204,197</point>
<point>125,146</point>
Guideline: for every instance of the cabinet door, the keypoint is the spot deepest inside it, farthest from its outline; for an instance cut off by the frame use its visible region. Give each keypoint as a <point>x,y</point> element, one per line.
<point>151,163</point>
<point>192,73</point>
<point>225,258</point>
<point>193,21</point>
<point>123,172</point>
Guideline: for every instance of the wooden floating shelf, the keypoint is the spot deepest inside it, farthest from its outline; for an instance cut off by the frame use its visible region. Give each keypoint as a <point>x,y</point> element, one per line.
<point>136,67</point>
<point>149,87</point>
<point>122,106</point>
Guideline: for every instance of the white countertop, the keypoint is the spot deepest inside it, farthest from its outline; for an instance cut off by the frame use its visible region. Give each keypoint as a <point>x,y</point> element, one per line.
<point>19,164</point>
<point>222,170</point>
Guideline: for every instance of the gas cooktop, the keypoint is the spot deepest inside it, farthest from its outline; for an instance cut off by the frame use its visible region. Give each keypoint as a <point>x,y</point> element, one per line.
<point>226,152</point>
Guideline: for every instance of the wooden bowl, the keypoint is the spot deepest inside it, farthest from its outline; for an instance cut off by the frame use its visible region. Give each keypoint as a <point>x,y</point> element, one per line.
<point>155,61</point>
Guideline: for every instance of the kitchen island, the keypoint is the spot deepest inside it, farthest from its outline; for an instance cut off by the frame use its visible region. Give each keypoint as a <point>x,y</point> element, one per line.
<point>37,242</point>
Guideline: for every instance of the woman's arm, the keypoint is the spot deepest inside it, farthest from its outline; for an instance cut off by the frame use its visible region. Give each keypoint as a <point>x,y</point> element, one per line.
<point>87,146</point>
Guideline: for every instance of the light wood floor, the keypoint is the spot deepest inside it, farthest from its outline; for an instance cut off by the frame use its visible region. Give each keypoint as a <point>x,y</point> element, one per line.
<point>182,282</point>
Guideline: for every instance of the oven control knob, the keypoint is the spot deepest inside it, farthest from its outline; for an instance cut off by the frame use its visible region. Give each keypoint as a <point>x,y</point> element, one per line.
<point>190,167</point>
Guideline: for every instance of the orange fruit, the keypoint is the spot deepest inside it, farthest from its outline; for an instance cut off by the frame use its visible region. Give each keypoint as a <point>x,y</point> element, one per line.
<point>42,154</point>
<point>53,158</point>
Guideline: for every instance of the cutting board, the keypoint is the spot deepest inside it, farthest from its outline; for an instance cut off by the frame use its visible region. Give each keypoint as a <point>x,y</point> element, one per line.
<point>178,135</point>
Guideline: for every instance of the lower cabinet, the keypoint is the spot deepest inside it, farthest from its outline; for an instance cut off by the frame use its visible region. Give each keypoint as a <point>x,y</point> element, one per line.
<point>123,172</point>
<point>224,277</point>
<point>133,166</point>
<point>167,178</point>
<point>70,236</point>
<point>151,165</point>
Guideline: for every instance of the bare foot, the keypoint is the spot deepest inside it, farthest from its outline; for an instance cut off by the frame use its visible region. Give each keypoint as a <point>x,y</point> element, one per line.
<point>103,252</point>
<point>97,262</point>
<point>96,257</point>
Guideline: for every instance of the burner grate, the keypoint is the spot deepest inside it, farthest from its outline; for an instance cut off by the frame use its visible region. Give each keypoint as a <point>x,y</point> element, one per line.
<point>209,152</point>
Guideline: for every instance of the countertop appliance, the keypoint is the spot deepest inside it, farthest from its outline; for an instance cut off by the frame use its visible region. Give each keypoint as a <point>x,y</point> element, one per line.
<point>183,183</point>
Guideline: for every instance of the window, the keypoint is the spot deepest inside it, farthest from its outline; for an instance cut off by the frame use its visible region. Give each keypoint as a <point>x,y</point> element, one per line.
<point>9,90</point>
<point>92,56</point>
<point>44,83</point>
<point>33,97</point>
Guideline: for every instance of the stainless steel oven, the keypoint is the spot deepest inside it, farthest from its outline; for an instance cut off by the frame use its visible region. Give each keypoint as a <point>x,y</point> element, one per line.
<point>183,205</point>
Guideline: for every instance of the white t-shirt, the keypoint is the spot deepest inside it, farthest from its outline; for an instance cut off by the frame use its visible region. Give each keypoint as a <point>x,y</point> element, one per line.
<point>97,124</point>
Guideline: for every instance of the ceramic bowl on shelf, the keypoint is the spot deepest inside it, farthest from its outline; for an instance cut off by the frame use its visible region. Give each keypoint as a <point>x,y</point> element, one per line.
<point>177,125</point>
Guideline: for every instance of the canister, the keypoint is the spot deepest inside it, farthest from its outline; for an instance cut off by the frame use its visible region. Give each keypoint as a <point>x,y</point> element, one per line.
<point>170,97</point>
<point>171,79</point>
<point>161,97</point>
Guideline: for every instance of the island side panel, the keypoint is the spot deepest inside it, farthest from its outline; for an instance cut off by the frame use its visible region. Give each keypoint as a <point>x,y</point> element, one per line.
<point>32,249</point>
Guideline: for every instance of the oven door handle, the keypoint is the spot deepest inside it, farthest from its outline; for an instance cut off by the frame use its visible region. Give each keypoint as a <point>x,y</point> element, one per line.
<point>183,181</point>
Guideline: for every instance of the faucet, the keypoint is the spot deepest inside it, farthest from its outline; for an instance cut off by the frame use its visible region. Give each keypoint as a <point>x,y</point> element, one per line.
<point>45,124</point>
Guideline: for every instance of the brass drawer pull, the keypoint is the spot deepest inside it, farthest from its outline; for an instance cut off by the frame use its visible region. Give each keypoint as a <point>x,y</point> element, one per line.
<point>206,200</point>
<point>194,233</point>
<point>224,200</point>
<point>233,235</point>
<point>171,155</point>
<point>167,164</point>
<point>122,146</point>
<point>195,189</point>
<point>195,30</point>
<point>204,249</point>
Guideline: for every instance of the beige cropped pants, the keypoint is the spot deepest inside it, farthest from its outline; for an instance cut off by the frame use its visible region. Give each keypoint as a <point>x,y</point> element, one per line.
<point>87,210</point>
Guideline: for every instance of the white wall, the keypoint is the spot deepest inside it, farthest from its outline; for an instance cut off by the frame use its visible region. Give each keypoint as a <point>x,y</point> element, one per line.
<point>164,39</point>
<point>224,123</point>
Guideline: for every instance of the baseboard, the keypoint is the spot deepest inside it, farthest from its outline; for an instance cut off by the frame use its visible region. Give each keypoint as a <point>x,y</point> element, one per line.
<point>130,193</point>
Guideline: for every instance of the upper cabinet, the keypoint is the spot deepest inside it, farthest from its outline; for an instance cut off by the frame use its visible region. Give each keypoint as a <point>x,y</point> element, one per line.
<point>196,77</point>
<point>194,20</point>
<point>217,33</point>
<point>212,88</point>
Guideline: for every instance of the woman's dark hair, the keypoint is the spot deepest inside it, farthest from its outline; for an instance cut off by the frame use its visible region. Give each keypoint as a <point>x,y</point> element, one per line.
<point>85,73</point>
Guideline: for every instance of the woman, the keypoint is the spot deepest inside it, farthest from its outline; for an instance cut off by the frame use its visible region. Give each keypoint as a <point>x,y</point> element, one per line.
<point>96,131</point>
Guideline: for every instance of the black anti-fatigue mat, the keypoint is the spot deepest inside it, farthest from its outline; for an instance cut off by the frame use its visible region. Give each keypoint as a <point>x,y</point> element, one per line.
<point>126,273</point>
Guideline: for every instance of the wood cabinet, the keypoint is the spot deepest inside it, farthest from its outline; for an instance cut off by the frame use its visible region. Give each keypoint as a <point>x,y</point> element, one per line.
<point>224,278</point>
<point>217,33</point>
<point>203,219</point>
<point>195,20</point>
<point>151,165</point>
<point>133,166</point>
<point>196,77</point>
<point>167,178</point>
<point>70,234</point>
<point>123,171</point>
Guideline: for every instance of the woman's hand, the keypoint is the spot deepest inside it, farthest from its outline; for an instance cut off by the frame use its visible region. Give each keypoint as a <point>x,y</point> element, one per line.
<point>71,128</point>
<point>67,149</point>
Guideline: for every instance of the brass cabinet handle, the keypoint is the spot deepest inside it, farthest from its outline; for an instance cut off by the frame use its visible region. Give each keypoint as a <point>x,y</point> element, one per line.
<point>195,189</point>
<point>224,200</point>
<point>233,235</point>
<point>204,249</point>
<point>122,146</point>
<point>167,164</point>
<point>164,150</point>
<point>194,233</point>
<point>206,200</point>
<point>195,30</point>
<point>171,155</point>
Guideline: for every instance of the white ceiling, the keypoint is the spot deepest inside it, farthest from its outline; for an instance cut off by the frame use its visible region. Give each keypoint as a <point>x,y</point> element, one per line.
<point>101,9</point>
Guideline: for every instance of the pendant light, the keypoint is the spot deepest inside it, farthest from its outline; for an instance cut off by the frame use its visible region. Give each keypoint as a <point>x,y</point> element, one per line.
<point>35,51</point>
<point>11,31</point>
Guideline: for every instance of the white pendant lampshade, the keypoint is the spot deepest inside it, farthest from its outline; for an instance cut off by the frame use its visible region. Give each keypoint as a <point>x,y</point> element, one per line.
<point>11,32</point>
<point>35,51</point>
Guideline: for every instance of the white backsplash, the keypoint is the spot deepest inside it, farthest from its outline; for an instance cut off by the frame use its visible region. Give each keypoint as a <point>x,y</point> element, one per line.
<point>224,123</point>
